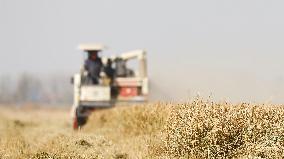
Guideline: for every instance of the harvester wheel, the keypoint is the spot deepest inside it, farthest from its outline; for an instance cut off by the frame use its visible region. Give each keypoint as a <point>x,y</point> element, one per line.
<point>79,120</point>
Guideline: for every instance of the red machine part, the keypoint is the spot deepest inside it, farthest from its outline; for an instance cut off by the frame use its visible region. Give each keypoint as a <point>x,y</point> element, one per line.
<point>128,91</point>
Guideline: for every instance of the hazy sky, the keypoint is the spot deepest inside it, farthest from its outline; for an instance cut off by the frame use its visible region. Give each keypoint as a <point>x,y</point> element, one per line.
<point>232,49</point>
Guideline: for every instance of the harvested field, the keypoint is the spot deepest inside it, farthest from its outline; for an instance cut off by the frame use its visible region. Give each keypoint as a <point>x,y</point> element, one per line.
<point>199,129</point>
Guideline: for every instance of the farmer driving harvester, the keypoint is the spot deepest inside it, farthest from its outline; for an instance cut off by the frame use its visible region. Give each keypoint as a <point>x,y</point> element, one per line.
<point>93,66</point>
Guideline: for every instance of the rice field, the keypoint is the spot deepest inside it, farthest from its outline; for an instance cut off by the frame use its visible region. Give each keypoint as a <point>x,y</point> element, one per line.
<point>197,129</point>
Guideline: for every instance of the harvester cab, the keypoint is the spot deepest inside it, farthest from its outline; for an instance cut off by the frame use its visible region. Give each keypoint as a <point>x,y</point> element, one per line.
<point>116,82</point>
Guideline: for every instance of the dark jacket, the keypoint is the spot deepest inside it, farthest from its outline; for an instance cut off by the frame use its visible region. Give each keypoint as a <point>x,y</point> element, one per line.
<point>94,68</point>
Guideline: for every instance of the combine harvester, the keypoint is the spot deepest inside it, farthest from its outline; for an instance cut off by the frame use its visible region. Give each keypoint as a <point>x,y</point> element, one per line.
<point>125,85</point>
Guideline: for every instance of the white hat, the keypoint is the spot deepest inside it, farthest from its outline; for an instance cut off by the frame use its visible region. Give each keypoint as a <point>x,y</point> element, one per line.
<point>92,47</point>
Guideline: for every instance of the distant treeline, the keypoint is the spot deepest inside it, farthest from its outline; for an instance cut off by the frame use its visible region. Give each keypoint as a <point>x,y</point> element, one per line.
<point>32,88</point>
